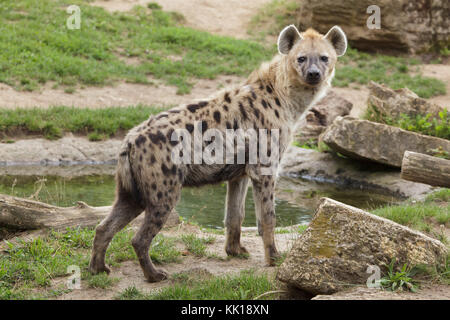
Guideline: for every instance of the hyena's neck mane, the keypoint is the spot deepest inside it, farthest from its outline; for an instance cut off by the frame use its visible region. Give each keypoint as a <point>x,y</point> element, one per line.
<point>295,97</point>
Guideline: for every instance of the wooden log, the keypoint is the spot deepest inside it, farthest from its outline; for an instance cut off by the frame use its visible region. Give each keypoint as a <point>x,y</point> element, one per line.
<point>427,169</point>
<point>24,214</point>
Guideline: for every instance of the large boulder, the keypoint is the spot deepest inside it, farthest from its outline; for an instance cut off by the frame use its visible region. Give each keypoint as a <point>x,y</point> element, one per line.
<point>393,103</point>
<point>363,139</point>
<point>341,242</point>
<point>406,26</point>
<point>321,115</point>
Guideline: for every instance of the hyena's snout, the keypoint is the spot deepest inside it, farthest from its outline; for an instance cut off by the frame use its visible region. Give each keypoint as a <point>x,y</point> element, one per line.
<point>313,75</point>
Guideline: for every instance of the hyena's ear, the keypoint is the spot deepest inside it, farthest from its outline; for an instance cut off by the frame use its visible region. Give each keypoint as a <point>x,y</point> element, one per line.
<point>287,38</point>
<point>338,39</point>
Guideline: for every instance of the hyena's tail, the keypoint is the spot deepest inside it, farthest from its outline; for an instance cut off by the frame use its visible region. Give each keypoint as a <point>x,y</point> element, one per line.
<point>125,176</point>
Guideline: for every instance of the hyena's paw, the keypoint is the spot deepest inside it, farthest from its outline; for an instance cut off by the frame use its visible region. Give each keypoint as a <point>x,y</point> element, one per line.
<point>157,276</point>
<point>96,269</point>
<point>236,251</point>
<point>272,256</point>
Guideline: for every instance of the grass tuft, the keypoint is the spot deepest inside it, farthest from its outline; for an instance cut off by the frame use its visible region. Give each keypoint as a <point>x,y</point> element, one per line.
<point>196,245</point>
<point>51,123</point>
<point>243,286</point>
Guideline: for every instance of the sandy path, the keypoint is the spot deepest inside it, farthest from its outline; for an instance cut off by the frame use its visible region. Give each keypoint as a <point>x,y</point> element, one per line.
<point>123,94</point>
<point>228,18</point>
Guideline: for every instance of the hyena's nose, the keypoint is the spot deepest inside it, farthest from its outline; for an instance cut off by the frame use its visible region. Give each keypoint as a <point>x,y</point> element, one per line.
<point>313,75</point>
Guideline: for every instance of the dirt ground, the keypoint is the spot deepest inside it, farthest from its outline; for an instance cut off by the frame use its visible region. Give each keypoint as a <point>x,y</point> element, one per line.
<point>227,18</point>
<point>129,273</point>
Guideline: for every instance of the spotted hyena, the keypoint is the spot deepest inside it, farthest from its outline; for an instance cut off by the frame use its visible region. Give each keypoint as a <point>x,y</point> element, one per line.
<point>273,97</point>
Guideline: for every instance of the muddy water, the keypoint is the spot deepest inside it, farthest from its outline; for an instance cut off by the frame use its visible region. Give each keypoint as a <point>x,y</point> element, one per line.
<point>295,199</point>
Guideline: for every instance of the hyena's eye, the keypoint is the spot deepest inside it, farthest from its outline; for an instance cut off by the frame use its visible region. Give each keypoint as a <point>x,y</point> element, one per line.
<point>324,58</point>
<point>301,59</point>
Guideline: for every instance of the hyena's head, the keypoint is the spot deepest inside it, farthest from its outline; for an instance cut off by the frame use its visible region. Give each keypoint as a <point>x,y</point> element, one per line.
<point>310,55</point>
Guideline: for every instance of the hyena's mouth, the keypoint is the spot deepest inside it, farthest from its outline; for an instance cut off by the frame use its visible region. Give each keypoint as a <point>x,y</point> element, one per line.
<point>313,82</point>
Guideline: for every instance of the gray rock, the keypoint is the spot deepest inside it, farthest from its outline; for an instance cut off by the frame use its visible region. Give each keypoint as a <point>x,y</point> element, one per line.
<point>406,26</point>
<point>321,115</point>
<point>341,242</point>
<point>363,139</point>
<point>393,103</point>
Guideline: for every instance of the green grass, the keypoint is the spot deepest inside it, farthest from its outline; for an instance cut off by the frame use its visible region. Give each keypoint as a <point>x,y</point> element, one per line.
<point>436,273</point>
<point>243,286</point>
<point>29,265</point>
<point>421,215</point>
<point>131,293</point>
<point>273,17</point>
<point>439,195</point>
<point>396,72</point>
<point>54,121</point>
<point>196,245</point>
<point>36,47</point>
<point>101,281</point>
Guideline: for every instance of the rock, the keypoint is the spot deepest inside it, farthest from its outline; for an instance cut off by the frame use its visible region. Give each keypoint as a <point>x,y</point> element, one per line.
<point>342,241</point>
<point>68,150</point>
<point>434,292</point>
<point>363,139</point>
<point>392,103</point>
<point>321,115</point>
<point>349,174</point>
<point>406,26</point>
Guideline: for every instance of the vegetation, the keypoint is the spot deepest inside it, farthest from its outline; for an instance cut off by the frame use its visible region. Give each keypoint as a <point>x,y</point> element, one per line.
<point>29,265</point>
<point>54,121</point>
<point>243,286</point>
<point>273,17</point>
<point>422,216</point>
<point>196,245</point>
<point>36,47</point>
<point>396,72</point>
<point>398,280</point>
<point>423,124</point>
<point>101,281</point>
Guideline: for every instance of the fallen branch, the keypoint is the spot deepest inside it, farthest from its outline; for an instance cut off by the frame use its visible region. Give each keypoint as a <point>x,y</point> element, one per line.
<point>427,169</point>
<point>24,214</point>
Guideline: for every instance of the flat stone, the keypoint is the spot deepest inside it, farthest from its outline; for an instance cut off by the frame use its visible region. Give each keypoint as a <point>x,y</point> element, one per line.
<point>366,140</point>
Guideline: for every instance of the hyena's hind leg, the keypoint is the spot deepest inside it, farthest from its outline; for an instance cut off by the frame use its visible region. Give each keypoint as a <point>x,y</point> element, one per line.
<point>234,215</point>
<point>155,217</point>
<point>123,212</point>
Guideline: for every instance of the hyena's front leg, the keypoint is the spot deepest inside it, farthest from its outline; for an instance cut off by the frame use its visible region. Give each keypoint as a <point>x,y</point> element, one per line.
<point>263,195</point>
<point>234,215</point>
